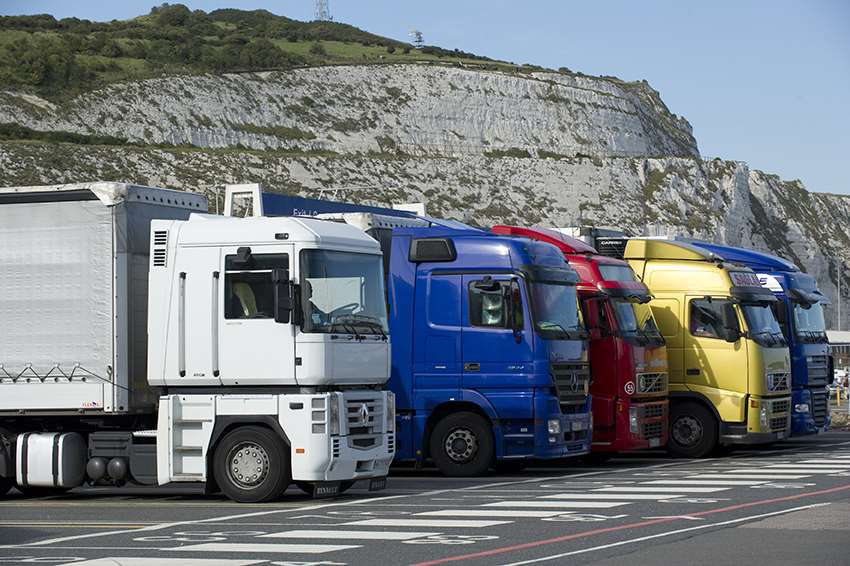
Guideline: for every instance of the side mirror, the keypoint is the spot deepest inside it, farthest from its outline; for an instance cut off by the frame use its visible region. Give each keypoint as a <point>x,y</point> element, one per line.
<point>284,300</point>
<point>733,335</point>
<point>513,297</point>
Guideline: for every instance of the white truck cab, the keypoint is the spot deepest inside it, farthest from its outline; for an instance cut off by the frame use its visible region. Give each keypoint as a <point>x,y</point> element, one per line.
<point>153,344</point>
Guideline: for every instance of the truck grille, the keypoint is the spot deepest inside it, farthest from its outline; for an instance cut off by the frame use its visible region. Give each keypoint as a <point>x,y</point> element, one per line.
<point>359,421</point>
<point>651,383</point>
<point>778,424</point>
<point>652,411</point>
<point>572,382</point>
<point>818,370</point>
<point>779,407</point>
<point>820,407</point>
<point>652,430</point>
<point>778,381</point>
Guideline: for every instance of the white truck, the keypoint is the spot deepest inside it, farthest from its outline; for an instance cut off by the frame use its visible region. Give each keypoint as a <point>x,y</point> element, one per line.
<point>146,341</point>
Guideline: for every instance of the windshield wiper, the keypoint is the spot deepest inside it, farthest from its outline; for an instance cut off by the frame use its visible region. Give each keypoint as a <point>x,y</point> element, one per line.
<point>364,320</point>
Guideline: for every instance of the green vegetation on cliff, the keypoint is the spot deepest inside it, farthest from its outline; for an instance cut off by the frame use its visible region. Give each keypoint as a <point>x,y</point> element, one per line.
<point>63,57</point>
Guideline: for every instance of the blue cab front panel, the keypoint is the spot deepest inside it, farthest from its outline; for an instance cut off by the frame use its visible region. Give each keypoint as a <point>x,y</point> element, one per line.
<point>811,367</point>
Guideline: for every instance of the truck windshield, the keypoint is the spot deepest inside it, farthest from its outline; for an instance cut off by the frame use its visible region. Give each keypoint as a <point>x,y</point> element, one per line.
<point>762,325</point>
<point>556,312</point>
<point>809,324</point>
<point>635,320</point>
<point>342,293</point>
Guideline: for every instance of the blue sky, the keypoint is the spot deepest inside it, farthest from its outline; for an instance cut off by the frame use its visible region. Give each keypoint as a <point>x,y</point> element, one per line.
<point>767,81</point>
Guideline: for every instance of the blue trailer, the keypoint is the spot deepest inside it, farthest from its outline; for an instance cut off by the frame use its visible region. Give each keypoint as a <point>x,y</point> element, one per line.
<point>489,353</point>
<point>800,313</point>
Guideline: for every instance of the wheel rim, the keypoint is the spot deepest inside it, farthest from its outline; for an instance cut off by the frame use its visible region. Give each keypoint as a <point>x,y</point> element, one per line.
<point>687,431</point>
<point>247,465</point>
<point>461,445</point>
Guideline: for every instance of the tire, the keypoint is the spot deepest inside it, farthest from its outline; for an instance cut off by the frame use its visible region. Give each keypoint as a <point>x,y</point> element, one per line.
<point>461,445</point>
<point>309,488</point>
<point>251,465</point>
<point>693,431</point>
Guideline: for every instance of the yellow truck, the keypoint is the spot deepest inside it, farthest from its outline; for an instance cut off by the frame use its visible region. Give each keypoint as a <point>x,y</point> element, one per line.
<point>729,368</point>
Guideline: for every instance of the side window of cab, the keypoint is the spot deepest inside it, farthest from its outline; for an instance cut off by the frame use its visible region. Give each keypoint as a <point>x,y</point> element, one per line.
<point>713,318</point>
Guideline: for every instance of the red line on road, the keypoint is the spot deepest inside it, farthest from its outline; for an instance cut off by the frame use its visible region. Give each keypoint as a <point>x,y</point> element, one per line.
<point>594,532</point>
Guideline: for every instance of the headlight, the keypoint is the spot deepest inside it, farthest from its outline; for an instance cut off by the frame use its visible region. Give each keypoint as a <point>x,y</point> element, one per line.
<point>334,406</point>
<point>633,420</point>
<point>554,426</point>
<point>390,411</point>
<point>801,408</point>
<point>764,419</point>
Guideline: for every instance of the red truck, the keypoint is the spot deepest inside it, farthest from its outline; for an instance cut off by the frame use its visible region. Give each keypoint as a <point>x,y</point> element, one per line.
<point>628,359</point>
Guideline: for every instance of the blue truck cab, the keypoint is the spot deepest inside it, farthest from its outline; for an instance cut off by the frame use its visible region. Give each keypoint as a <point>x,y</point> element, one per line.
<point>489,352</point>
<point>799,310</point>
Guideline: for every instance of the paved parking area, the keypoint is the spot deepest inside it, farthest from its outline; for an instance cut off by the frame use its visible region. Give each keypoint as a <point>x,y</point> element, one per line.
<point>789,503</point>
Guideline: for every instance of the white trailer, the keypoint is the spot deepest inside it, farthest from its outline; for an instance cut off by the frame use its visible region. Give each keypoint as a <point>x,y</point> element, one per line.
<point>147,342</point>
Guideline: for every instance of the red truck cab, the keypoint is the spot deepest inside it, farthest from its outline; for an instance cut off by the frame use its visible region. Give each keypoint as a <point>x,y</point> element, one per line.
<point>628,359</point>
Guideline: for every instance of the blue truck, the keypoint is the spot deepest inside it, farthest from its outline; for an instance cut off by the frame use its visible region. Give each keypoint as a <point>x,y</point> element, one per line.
<point>489,352</point>
<point>799,311</point>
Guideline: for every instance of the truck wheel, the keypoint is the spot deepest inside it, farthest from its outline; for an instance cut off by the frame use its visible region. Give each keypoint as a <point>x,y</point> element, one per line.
<point>462,445</point>
<point>693,431</point>
<point>251,465</point>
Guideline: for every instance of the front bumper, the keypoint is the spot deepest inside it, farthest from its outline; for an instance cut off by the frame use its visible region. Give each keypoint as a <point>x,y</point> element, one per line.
<point>574,438</point>
<point>639,425</point>
<point>360,449</point>
<point>768,420</point>
<point>814,420</point>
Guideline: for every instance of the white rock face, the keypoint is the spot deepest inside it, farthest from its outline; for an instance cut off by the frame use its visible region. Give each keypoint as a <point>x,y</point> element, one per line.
<point>598,152</point>
<point>418,109</point>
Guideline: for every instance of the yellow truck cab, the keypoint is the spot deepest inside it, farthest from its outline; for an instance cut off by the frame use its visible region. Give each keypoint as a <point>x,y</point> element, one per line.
<point>729,368</point>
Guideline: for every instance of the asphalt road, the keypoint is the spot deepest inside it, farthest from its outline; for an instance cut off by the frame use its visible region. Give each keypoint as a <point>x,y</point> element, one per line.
<point>786,504</point>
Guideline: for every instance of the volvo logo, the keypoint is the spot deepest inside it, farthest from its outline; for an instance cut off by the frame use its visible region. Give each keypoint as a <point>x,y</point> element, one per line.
<point>364,414</point>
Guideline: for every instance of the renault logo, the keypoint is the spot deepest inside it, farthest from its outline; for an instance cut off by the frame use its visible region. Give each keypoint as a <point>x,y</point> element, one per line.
<point>364,414</point>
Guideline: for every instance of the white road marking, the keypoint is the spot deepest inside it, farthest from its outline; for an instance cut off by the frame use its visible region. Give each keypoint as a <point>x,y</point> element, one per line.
<point>630,496</point>
<point>813,471</point>
<point>348,535</point>
<point>160,561</point>
<point>661,535</point>
<point>753,476</point>
<point>839,462</point>
<point>684,489</point>
<point>559,504</point>
<point>489,513</point>
<point>771,471</point>
<point>703,482</point>
<point>433,523</point>
<point>810,466</point>
<point>260,548</point>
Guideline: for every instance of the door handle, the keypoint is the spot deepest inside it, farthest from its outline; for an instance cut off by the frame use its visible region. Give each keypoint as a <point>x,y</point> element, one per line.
<point>473,366</point>
<point>692,371</point>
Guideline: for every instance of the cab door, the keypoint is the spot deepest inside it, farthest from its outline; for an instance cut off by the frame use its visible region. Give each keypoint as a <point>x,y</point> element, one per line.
<point>494,354</point>
<point>713,364</point>
<point>253,348</point>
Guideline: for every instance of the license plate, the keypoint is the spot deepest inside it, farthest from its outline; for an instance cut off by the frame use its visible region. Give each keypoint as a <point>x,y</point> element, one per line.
<point>577,425</point>
<point>654,442</point>
<point>377,484</point>
<point>780,435</point>
<point>328,489</point>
